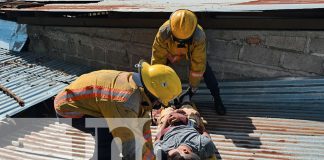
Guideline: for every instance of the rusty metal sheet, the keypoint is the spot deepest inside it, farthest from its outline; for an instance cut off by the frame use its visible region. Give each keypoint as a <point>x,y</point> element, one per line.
<point>258,2</point>
<point>20,4</point>
<point>171,5</point>
<point>60,1</point>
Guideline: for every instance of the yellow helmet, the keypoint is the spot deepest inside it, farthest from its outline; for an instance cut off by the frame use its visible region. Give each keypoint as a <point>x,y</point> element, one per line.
<point>183,23</point>
<point>161,81</point>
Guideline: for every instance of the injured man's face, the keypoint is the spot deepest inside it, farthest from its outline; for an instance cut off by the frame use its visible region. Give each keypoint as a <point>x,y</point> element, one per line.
<point>183,152</point>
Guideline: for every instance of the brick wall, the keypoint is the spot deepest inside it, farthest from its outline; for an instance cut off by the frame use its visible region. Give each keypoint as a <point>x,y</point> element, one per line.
<point>232,54</point>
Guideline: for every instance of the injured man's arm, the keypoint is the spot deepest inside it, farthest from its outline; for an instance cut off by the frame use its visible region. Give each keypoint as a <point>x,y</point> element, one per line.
<point>182,135</point>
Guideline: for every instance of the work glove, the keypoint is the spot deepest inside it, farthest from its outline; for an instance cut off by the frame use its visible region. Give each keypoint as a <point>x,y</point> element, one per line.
<point>157,106</point>
<point>185,97</point>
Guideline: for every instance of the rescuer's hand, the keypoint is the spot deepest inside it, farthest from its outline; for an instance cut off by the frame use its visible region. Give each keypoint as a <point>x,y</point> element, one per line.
<point>185,97</point>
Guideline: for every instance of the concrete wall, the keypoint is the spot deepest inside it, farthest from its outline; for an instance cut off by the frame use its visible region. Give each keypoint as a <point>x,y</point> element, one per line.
<point>232,54</point>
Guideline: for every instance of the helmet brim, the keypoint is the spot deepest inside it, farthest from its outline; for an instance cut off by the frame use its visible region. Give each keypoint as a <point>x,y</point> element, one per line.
<point>144,71</point>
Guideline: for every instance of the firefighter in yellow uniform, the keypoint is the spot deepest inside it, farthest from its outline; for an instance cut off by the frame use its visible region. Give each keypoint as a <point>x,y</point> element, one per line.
<point>181,37</point>
<point>118,94</point>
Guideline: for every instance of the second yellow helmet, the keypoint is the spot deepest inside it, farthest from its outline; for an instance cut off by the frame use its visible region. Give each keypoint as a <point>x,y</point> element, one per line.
<point>183,23</point>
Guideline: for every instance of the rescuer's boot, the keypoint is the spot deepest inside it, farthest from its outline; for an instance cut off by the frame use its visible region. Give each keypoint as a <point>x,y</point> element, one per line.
<point>219,106</point>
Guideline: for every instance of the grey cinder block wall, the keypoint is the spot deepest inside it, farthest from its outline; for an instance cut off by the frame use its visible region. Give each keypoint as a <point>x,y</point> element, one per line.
<point>233,54</point>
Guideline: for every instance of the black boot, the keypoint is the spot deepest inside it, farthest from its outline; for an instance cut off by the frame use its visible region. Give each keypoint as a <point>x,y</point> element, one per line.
<point>212,85</point>
<point>220,108</point>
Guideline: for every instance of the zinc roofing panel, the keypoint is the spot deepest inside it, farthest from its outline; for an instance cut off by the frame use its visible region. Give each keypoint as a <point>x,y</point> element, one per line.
<point>32,78</point>
<point>250,130</point>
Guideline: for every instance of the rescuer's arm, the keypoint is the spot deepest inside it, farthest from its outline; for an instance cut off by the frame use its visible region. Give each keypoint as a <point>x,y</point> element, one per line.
<point>159,49</point>
<point>198,61</point>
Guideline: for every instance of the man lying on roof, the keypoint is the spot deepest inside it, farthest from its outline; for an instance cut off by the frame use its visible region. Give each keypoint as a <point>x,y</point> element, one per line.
<point>182,135</point>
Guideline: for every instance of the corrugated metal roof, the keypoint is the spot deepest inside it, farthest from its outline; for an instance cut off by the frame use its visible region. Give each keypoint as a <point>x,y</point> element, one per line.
<point>279,119</point>
<point>171,5</point>
<point>44,139</point>
<point>274,127</point>
<point>32,78</point>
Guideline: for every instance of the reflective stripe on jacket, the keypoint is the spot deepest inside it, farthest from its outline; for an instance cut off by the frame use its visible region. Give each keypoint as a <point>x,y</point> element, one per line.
<point>93,91</point>
<point>109,94</point>
<point>165,48</point>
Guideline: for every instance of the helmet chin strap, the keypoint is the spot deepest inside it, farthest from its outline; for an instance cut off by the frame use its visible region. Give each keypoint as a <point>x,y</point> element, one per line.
<point>152,98</point>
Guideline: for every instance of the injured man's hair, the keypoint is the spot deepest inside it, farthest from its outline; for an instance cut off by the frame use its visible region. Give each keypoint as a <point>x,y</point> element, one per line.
<point>182,135</point>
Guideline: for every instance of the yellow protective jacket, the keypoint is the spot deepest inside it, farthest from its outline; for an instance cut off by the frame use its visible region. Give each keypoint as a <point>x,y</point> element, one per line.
<point>108,94</point>
<point>165,48</point>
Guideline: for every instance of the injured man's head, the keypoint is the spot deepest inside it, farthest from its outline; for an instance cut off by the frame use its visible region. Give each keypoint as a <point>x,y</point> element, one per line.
<point>180,139</point>
<point>183,152</point>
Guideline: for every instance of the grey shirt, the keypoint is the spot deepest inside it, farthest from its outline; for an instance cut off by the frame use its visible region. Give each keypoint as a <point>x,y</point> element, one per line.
<point>200,144</point>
